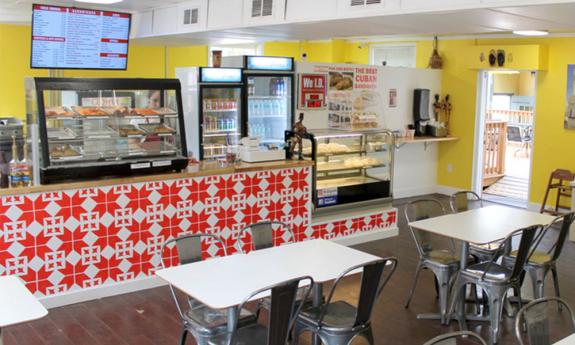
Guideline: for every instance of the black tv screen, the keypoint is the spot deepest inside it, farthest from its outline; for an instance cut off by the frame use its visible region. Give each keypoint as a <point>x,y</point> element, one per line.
<point>76,38</point>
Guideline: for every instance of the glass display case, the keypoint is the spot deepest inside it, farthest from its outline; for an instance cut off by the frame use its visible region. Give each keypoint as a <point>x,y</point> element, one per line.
<point>351,167</point>
<point>106,127</point>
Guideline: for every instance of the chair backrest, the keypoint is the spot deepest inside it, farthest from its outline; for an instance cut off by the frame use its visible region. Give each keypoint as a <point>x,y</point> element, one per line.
<point>527,244</point>
<point>544,321</point>
<point>563,175</point>
<point>283,312</point>
<point>373,281</point>
<point>261,235</point>
<point>419,210</point>
<point>513,133</point>
<point>464,200</point>
<point>189,248</point>
<point>567,221</point>
<point>461,337</point>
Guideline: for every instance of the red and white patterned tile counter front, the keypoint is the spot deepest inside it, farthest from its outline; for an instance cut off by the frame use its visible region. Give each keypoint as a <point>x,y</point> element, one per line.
<point>66,241</point>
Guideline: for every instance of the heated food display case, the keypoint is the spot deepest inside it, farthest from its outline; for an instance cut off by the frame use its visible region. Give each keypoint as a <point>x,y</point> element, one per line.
<point>351,167</point>
<point>91,128</point>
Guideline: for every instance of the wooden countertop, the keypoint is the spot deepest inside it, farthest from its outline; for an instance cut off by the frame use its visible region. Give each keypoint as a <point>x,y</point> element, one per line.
<point>424,139</point>
<point>195,170</point>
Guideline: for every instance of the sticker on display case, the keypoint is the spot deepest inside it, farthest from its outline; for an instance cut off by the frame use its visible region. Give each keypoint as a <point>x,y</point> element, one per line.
<point>313,90</point>
<point>136,166</point>
<point>327,197</point>
<point>161,163</point>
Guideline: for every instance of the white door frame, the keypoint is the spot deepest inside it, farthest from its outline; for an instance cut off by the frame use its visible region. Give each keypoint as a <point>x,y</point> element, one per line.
<point>482,92</point>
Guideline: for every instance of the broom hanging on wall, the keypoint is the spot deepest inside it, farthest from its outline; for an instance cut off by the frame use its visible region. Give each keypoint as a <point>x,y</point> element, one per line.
<point>435,61</point>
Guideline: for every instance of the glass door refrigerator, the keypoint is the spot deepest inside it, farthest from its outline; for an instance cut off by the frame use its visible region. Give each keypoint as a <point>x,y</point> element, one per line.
<point>269,95</point>
<point>213,99</point>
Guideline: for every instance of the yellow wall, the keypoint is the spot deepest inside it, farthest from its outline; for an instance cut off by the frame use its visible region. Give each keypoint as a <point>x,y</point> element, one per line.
<point>506,83</point>
<point>186,57</point>
<point>527,84</point>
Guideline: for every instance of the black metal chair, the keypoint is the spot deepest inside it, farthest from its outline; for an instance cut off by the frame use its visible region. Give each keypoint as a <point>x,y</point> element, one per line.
<point>544,322</point>
<point>337,323</point>
<point>455,338</point>
<point>261,235</point>
<point>198,319</point>
<point>495,279</point>
<point>541,262</point>
<point>465,201</point>
<point>444,263</point>
<point>282,315</point>
<point>519,135</point>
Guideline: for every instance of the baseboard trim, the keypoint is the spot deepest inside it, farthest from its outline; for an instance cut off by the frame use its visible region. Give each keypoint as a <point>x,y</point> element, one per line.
<point>411,192</point>
<point>367,237</point>
<point>99,292</point>
<point>446,190</point>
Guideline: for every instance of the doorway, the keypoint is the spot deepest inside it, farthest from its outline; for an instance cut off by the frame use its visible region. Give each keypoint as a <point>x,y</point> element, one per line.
<point>504,136</point>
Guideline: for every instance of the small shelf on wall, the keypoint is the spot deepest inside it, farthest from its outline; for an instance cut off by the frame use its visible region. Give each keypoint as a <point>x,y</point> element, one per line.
<point>425,140</point>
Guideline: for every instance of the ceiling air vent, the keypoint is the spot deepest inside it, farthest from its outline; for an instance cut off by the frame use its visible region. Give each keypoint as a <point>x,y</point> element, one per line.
<point>262,8</point>
<point>191,16</point>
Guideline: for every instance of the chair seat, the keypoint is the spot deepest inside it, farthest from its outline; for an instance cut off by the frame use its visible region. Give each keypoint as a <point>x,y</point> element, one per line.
<point>537,257</point>
<point>495,273</point>
<point>250,335</point>
<point>211,321</point>
<point>340,316</point>
<point>445,257</point>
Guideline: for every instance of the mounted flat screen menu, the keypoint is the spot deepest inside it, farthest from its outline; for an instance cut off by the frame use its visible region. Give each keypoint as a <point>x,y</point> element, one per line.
<point>75,38</point>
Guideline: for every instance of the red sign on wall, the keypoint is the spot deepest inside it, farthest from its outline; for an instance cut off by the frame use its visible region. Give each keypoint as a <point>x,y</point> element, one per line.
<point>312,91</point>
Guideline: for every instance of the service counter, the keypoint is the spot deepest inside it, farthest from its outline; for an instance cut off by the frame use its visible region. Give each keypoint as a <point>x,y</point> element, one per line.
<point>84,240</point>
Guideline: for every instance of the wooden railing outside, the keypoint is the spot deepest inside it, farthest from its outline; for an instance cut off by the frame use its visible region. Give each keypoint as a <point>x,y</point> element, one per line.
<point>494,146</point>
<point>511,116</point>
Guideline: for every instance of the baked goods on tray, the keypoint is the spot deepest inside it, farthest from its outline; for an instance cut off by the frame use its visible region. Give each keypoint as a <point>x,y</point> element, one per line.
<point>164,111</point>
<point>59,112</point>
<point>90,111</point>
<point>144,112</point>
<point>64,151</point>
<point>127,131</point>
<point>117,111</point>
<point>156,128</point>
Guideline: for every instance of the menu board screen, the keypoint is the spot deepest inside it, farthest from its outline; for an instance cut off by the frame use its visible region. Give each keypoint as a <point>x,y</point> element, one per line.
<point>75,38</point>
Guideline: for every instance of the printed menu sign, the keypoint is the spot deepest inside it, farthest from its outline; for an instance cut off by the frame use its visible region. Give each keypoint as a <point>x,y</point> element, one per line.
<point>312,91</point>
<point>64,37</point>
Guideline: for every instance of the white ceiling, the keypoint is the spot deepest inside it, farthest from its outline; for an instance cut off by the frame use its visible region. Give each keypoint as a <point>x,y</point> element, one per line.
<point>555,18</point>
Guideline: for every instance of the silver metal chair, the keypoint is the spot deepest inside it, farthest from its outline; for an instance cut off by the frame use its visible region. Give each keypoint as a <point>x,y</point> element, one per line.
<point>261,235</point>
<point>282,316</point>
<point>455,338</point>
<point>199,320</point>
<point>444,263</point>
<point>541,262</point>
<point>337,323</point>
<point>544,321</point>
<point>465,201</point>
<point>495,279</point>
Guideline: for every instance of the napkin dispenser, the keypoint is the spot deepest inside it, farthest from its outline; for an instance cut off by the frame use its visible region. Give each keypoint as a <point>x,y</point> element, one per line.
<point>252,152</point>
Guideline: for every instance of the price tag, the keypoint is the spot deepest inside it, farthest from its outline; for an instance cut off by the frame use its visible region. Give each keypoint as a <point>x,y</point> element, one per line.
<point>136,166</point>
<point>161,163</point>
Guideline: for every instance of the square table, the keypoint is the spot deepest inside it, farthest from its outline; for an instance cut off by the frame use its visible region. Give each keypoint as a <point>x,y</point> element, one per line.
<point>17,304</point>
<point>481,226</point>
<point>224,282</point>
<point>570,340</point>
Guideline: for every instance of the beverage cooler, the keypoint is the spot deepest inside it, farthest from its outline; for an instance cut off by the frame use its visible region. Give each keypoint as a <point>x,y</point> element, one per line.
<point>269,96</point>
<point>213,110</point>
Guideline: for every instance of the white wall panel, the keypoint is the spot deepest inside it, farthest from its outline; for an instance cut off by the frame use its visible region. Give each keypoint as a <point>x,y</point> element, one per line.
<point>142,24</point>
<point>165,20</point>
<point>299,10</point>
<point>225,14</point>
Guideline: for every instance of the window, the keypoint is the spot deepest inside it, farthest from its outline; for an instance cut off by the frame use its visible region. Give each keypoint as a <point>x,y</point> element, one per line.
<point>400,55</point>
<point>236,50</point>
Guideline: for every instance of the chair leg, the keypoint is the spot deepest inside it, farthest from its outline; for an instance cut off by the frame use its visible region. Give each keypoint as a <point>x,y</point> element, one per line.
<point>496,299</point>
<point>556,281</point>
<point>368,335</point>
<point>183,337</point>
<point>417,271</point>
<point>455,291</point>
<point>538,281</point>
<point>443,279</point>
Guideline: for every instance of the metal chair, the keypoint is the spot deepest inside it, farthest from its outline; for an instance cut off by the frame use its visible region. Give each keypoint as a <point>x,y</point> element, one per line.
<point>517,135</point>
<point>262,235</point>
<point>544,326</point>
<point>462,337</point>
<point>444,263</point>
<point>337,323</point>
<point>199,320</point>
<point>282,315</point>
<point>541,262</point>
<point>495,279</point>
<point>465,201</point>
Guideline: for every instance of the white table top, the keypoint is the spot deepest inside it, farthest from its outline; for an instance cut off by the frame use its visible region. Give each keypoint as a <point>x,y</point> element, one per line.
<point>570,340</point>
<point>482,225</point>
<point>225,282</point>
<point>17,304</point>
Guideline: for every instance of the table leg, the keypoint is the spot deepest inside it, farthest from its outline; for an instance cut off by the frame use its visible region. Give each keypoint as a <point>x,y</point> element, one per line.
<point>232,319</point>
<point>461,305</point>
<point>316,300</point>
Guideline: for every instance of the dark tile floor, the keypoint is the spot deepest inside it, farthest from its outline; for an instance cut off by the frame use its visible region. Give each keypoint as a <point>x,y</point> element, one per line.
<point>149,317</point>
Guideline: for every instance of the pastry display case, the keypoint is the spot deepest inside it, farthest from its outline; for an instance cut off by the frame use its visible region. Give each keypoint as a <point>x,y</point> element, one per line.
<point>351,167</point>
<point>90,128</point>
